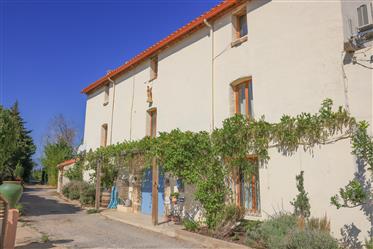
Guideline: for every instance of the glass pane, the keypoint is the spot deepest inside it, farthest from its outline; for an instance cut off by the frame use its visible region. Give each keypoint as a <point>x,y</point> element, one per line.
<point>251,192</point>
<point>241,99</point>
<point>251,113</point>
<point>243,25</point>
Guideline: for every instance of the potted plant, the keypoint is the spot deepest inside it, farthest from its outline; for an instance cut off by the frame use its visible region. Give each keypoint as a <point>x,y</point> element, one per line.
<point>12,189</point>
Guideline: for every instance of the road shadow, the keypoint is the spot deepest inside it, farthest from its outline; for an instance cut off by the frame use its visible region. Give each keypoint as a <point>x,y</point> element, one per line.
<point>44,245</point>
<point>36,204</point>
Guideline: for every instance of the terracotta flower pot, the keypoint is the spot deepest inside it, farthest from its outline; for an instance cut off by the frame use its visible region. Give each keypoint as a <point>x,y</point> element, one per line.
<point>12,192</point>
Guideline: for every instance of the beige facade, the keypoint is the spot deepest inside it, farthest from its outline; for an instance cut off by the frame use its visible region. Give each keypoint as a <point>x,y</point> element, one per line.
<point>294,53</point>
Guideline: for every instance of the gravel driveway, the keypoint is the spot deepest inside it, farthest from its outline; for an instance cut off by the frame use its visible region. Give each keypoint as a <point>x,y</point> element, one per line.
<point>66,226</point>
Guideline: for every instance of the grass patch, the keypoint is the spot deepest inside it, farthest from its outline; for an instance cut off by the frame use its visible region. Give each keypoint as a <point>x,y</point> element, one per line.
<point>44,238</point>
<point>93,211</point>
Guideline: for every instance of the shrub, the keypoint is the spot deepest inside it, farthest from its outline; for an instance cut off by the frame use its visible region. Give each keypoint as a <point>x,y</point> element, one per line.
<point>286,231</point>
<point>272,233</point>
<point>87,194</point>
<point>311,239</point>
<point>66,190</point>
<point>190,225</point>
<point>74,190</point>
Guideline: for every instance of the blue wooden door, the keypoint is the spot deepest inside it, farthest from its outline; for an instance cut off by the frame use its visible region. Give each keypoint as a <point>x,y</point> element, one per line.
<point>146,192</point>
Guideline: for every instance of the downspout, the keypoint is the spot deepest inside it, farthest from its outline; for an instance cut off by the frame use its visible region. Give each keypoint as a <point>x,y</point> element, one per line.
<point>112,111</point>
<point>132,100</point>
<point>212,75</point>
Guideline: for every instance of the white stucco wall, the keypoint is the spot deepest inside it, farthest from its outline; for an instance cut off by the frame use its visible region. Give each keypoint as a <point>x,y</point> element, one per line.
<point>294,54</point>
<point>62,181</point>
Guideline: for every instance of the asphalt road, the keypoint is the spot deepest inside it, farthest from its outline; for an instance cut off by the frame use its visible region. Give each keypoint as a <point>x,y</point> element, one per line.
<point>67,226</point>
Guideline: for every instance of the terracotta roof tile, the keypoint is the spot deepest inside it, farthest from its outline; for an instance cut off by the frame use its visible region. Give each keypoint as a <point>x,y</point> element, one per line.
<point>66,163</point>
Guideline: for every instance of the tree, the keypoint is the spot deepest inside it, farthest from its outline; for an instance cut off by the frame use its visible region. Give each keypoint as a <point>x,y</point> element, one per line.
<point>59,146</point>
<point>16,145</point>
<point>8,138</point>
<point>24,144</point>
<point>61,130</point>
<point>55,153</point>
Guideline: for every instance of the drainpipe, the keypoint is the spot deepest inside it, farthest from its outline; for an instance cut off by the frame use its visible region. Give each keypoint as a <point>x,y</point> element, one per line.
<point>212,75</point>
<point>112,111</point>
<point>132,100</point>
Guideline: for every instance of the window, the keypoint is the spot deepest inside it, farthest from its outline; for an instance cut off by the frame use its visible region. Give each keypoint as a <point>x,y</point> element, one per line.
<point>106,95</point>
<point>153,68</point>
<point>153,122</point>
<point>242,25</point>
<point>104,135</point>
<point>249,194</point>
<point>243,95</point>
<point>247,191</point>
<point>362,14</point>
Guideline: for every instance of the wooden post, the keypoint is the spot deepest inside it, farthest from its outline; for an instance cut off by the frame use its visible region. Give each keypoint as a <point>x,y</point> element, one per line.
<point>154,192</point>
<point>11,228</point>
<point>98,185</point>
<point>3,220</point>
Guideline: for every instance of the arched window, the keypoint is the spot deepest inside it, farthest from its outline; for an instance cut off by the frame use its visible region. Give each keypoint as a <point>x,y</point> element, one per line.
<point>243,96</point>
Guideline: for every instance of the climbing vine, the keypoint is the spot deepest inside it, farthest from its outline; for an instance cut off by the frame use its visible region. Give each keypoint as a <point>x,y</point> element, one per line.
<point>205,159</point>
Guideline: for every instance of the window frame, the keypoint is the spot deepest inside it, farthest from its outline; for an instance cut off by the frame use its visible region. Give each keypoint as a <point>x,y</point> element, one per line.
<point>236,16</point>
<point>252,180</point>
<point>362,15</point>
<point>239,25</point>
<point>236,90</point>
<point>104,135</point>
<point>106,94</point>
<point>152,118</point>
<point>153,68</point>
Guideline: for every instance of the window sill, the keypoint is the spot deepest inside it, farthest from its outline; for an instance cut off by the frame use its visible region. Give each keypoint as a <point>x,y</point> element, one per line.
<point>238,41</point>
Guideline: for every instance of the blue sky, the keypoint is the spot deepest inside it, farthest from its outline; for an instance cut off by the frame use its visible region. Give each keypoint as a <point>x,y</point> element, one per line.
<point>51,49</point>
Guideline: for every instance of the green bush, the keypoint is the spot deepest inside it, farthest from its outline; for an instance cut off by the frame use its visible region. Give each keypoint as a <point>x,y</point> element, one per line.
<point>66,190</point>
<point>190,225</point>
<point>271,233</point>
<point>87,194</point>
<point>74,190</point>
<point>286,231</point>
<point>80,190</point>
<point>311,239</point>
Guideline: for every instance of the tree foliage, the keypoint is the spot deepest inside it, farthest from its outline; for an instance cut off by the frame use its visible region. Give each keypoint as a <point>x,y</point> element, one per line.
<point>54,154</point>
<point>16,145</point>
<point>354,194</point>
<point>59,147</point>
